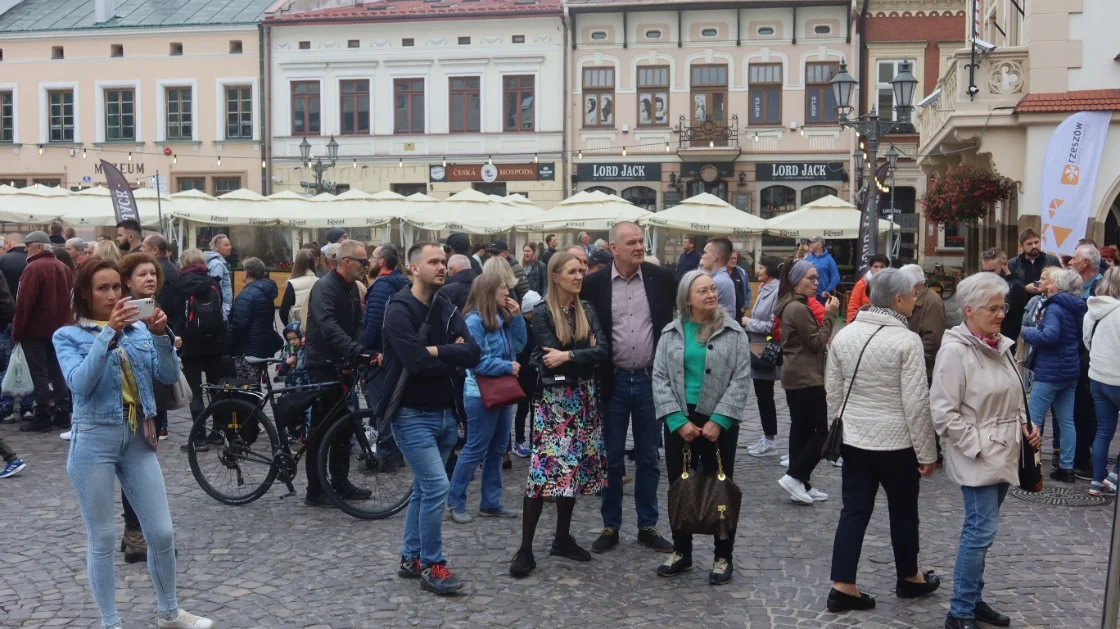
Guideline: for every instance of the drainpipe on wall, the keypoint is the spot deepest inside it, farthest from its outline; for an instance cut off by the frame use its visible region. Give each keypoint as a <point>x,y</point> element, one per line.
<point>263,48</point>
<point>565,101</point>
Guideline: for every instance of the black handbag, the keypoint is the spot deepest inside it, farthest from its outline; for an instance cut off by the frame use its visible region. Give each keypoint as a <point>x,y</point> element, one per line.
<point>831,448</point>
<point>704,505</point>
<point>1030,459</point>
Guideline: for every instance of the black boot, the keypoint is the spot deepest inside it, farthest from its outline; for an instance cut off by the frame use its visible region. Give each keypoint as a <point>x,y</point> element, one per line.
<point>41,423</point>
<point>60,418</point>
<point>985,613</point>
<point>952,622</point>
<point>523,563</point>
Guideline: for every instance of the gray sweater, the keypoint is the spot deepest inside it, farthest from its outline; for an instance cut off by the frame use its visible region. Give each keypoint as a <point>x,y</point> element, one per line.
<point>726,381</point>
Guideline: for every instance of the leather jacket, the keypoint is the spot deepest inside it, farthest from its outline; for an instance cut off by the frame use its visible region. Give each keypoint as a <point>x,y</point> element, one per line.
<point>585,358</point>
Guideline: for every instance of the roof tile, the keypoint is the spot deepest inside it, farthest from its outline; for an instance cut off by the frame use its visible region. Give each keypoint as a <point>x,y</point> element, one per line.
<point>389,10</point>
<point>58,15</point>
<point>1078,100</point>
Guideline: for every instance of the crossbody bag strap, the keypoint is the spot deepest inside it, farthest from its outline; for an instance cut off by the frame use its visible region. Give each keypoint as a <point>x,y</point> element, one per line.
<point>1022,389</point>
<point>856,371</point>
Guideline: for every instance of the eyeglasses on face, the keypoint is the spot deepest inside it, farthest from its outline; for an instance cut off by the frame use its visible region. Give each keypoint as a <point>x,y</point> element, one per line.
<point>362,261</point>
<point>995,309</point>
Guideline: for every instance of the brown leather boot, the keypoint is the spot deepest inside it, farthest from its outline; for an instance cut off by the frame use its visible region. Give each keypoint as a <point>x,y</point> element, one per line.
<point>135,547</point>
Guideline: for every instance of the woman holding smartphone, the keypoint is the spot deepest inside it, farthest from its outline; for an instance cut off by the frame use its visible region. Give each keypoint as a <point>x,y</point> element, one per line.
<point>110,360</point>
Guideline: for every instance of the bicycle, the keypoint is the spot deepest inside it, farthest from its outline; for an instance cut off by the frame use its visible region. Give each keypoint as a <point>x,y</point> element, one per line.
<point>249,466</point>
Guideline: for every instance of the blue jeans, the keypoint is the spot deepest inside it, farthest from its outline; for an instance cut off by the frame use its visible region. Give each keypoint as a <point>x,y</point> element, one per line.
<point>487,440</point>
<point>425,439</point>
<point>981,524</point>
<point>1058,396</point>
<point>1106,400</point>
<point>631,400</point>
<point>98,453</point>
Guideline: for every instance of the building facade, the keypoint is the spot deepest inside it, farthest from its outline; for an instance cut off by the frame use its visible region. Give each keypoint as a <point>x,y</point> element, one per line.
<point>668,101</point>
<point>420,96</point>
<point>141,86</point>
<point>1001,101</point>
<point>923,33</point>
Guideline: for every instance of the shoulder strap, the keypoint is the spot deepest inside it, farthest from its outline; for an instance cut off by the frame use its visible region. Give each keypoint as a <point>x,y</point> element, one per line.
<point>1022,389</point>
<point>855,372</point>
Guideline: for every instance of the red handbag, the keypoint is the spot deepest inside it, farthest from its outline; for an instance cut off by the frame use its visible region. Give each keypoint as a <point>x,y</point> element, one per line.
<point>499,391</point>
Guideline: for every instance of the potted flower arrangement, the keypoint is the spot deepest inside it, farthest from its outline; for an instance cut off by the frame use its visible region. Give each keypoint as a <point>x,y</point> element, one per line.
<point>964,195</point>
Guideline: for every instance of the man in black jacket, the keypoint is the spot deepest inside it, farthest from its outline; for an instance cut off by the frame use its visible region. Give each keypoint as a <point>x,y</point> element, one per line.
<point>14,262</point>
<point>634,301</point>
<point>334,329</point>
<point>461,244</point>
<point>423,414</point>
<point>156,246</point>
<point>460,276</point>
<point>1028,265</point>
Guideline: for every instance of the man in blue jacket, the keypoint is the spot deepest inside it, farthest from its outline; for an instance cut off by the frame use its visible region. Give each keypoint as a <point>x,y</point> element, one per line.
<point>389,281</point>
<point>825,265</point>
<point>423,412</point>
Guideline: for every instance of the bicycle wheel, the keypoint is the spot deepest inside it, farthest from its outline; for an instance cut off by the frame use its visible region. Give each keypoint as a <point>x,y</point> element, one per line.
<point>355,460</point>
<point>242,467</point>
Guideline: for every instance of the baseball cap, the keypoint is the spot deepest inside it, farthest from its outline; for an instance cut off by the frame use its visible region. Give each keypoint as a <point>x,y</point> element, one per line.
<point>459,242</point>
<point>37,237</point>
<point>498,245</point>
<point>335,233</point>
<point>530,301</point>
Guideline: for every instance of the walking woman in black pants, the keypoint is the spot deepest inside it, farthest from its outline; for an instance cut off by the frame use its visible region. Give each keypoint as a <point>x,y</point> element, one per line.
<point>804,349</point>
<point>876,383</point>
<point>760,327</point>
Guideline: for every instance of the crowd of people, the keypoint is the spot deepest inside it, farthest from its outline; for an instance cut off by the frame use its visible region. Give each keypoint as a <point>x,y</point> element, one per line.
<point>598,341</point>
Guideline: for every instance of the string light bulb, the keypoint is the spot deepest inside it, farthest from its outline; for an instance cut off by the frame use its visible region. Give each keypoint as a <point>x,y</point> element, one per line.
<point>490,160</point>
<point>219,160</point>
<point>536,159</point>
<point>174,158</point>
<point>711,144</point>
<point>802,131</point>
<point>445,162</point>
<point>580,157</point>
<point>83,152</point>
<point>355,163</point>
<point>400,164</point>
<point>264,164</point>
<point>624,151</point>
<point>130,157</point>
<point>756,137</point>
<point>41,149</point>
<point>666,148</point>
<point>861,145</point>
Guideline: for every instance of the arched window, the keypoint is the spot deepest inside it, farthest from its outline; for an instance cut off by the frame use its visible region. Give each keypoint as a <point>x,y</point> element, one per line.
<point>776,200</point>
<point>641,196</point>
<point>603,189</point>
<point>812,193</point>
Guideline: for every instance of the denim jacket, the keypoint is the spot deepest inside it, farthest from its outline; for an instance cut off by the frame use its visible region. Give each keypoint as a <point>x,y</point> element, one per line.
<point>93,371</point>
<point>499,348</point>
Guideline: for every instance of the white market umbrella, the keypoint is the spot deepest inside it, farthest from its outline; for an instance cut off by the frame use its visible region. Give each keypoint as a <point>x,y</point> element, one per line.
<point>472,212</point>
<point>355,208</point>
<point>587,211</point>
<point>37,204</point>
<point>92,207</point>
<point>709,215</point>
<point>420,197</point>
<point>829,216</point>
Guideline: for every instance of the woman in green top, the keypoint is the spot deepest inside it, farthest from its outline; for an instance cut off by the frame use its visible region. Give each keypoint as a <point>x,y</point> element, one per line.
<point>701,376</point>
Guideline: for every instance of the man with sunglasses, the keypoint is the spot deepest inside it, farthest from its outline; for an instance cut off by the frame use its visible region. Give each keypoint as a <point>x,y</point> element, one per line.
<point>994,260</point>
<point>334,329</point>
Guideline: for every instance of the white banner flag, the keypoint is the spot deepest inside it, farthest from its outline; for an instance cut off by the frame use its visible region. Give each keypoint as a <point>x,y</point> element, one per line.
<point>1069,173</point>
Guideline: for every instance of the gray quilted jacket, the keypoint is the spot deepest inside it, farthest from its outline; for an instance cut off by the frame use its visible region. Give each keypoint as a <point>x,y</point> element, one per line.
<point>726,381</point>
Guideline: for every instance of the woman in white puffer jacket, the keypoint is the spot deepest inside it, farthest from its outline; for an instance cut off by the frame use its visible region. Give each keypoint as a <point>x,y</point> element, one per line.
<point>888,435</point>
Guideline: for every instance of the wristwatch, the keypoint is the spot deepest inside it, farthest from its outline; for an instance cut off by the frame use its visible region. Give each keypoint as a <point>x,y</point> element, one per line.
<point>572,356</point>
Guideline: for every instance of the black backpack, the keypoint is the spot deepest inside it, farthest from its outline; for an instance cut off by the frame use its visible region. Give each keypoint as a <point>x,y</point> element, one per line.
<point>205,325</point>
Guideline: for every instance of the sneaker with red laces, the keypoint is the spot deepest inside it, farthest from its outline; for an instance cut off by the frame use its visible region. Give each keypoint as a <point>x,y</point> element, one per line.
<point>437,578</point>
<point>410,568</point>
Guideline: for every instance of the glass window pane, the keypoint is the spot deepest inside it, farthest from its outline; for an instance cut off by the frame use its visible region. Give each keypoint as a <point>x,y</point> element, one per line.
<point>402,113</point>
<point>886,71</point>
<point>773,105</point>
<point>886,102</point>
<point>473,119</point>
<point>527,114</point>
<point>418,113</point>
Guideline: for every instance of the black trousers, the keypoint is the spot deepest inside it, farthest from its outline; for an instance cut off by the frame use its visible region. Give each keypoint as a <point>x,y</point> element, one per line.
<point>764,393</point>
<point>703,459</point>
<point>864,471</point>
<point>215,366</point>
<point>1084,422</point>
<point>528,380</point>
<point>339,465</point>
<point>50,385</point>
<point>131,522</point>
<point>808,429</point>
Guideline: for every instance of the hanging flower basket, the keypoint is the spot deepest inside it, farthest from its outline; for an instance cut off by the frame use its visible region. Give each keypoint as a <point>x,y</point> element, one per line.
<point>964,195</point>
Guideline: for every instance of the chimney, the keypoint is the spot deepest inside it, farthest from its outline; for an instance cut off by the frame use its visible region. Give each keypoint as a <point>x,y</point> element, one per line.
<point>104,10</point>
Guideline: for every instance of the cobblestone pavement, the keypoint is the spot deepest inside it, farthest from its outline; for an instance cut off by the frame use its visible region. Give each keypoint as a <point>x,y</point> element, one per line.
<point>276,564</point>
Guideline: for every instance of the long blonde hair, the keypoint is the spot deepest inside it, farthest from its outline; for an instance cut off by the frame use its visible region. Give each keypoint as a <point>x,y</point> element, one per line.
<point>564,333</point>
<point>499,265</point>
<point>481,299</point>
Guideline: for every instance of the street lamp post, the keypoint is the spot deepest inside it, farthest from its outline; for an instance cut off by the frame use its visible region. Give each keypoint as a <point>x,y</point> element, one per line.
<point>318,167</point>
<point>892,164</point>
<point>872,128</point>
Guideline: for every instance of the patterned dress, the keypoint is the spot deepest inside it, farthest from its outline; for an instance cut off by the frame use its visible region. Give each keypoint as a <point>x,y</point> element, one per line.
<point>568,458</point>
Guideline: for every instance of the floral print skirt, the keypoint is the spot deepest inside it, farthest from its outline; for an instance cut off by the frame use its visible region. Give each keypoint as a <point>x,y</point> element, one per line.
<point>568,458</point>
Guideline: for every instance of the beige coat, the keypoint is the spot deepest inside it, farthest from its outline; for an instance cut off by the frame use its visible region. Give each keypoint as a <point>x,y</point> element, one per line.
<point>977,404</point>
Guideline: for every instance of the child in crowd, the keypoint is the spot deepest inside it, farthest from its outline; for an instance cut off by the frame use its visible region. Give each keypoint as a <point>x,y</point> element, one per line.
<point>293,368</point>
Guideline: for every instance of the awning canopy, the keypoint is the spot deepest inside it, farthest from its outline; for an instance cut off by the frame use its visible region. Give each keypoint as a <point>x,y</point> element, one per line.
<point>708,215</point>
<point>585,210</point>
<point>829,216</point>
<point>472,212</point>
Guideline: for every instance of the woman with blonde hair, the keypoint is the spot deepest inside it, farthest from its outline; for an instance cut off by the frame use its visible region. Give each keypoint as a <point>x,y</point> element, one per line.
<point>499,266</point>
<point>567,458</point>
<point>107,250</point>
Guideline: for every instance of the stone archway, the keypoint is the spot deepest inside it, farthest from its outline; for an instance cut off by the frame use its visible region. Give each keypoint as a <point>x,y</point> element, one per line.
<point>1104,227</point>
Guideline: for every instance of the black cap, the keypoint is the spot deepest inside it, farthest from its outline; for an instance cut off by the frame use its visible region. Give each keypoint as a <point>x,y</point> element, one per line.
<point>498,245</point>
<point>459,242</point>
<point>601,257</point>
<point>335,233</point>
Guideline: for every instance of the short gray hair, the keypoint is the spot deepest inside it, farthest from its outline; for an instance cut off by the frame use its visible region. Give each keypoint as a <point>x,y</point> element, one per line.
<point>331,251</point>
<point>191,256</point>
<point>254,268</point>
<point>916,272</point>
<point>1066,281</point>
<point>683,289</point>
<point>976,290</point>
<point>888,284</point>
<point>216,240</point>
<point>612,238</point>
<point>458,262</point>
<point>1090,253</point>
<point>76,243</point>
<point>349,249</point>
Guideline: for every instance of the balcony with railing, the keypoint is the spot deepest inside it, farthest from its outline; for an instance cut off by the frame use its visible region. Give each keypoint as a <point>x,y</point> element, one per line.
<point>973,98</point>
<point>709,139</point>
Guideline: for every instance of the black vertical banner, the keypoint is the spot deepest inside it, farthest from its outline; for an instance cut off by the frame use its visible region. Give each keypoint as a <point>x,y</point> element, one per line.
<point>869,221</point>
<point>124,204</point>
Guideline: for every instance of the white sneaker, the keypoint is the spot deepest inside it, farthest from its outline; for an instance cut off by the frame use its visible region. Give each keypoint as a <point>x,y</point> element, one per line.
<point>65,436</point>
<point>784,462</point>
<point>185,621</point>
<point>796,489</point>
<point>817,495</point>
<point>762,449</point>
<point>838,462</point>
